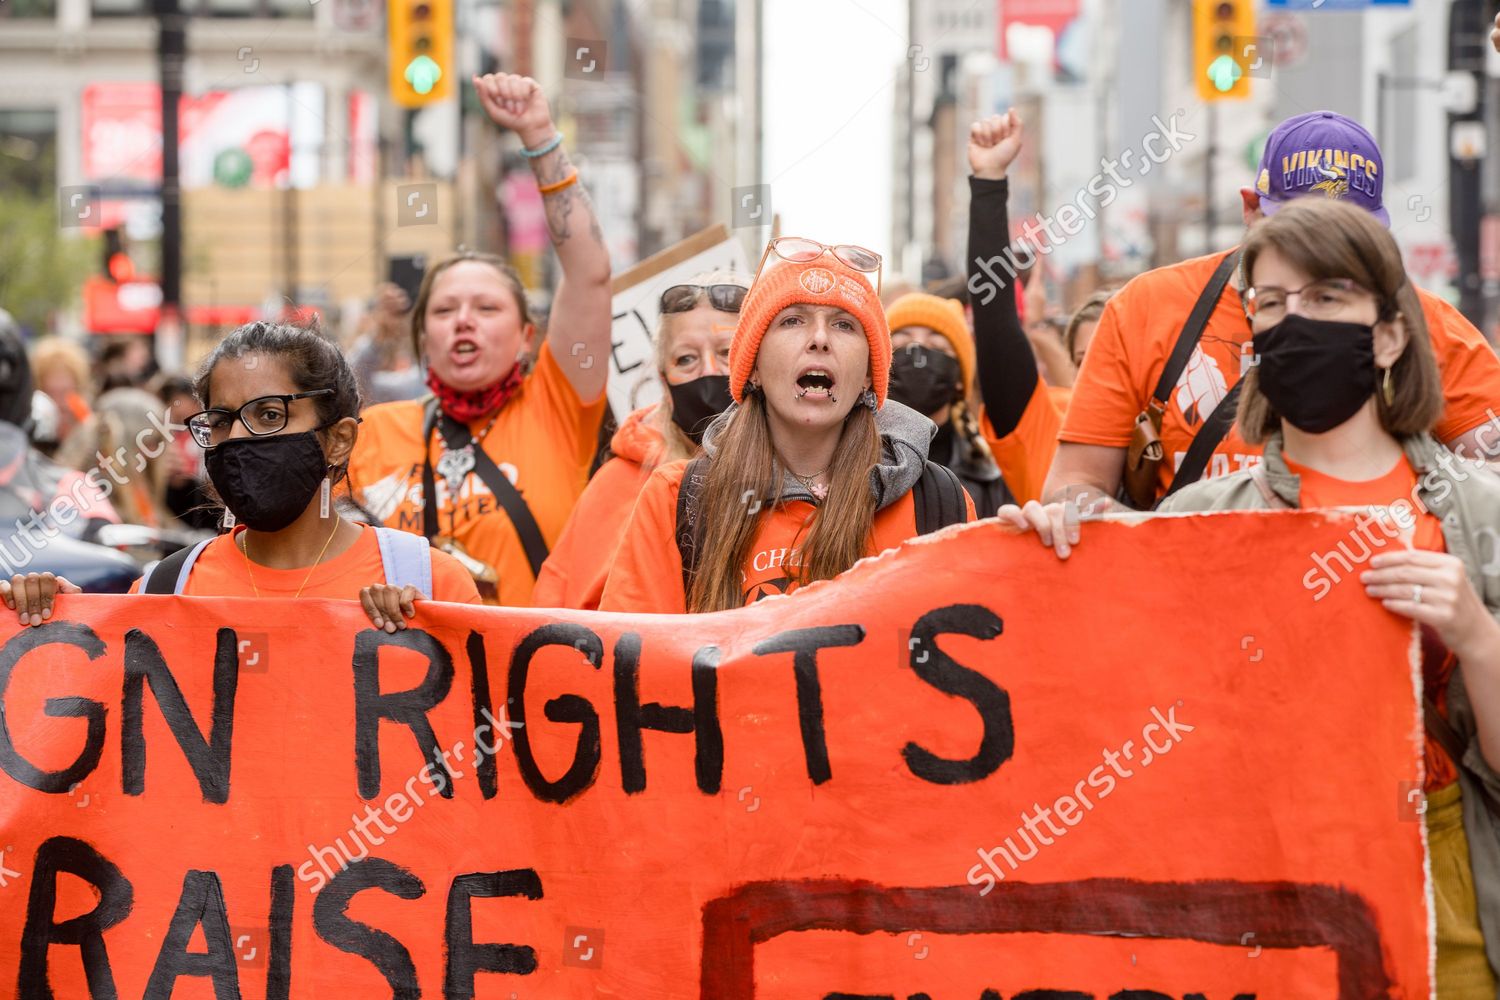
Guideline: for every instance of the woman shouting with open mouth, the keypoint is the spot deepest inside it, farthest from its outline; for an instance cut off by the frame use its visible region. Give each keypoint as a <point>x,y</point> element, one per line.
<point>811,470</point>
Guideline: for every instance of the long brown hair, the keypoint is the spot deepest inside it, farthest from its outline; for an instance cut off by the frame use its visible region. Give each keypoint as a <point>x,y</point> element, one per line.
<point>745,475</point>
<point>1330,239</point>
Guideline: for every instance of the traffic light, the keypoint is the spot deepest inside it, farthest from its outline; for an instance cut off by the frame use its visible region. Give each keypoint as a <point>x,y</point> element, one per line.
<point>420,52</point>
<point>1223,43</point>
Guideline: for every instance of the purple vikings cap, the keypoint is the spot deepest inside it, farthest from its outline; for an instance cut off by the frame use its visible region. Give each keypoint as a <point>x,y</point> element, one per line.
<point>1321,153</point>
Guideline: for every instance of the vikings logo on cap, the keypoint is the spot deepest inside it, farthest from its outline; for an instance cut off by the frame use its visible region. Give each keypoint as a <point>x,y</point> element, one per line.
<point>1335,183</point>
<point>1263,185</point>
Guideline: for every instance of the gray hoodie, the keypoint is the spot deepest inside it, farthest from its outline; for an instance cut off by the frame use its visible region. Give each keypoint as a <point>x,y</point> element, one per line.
<point>904,437</point>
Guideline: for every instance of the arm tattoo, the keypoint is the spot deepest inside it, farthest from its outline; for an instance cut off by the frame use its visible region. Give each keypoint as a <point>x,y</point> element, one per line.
<point>551,169</point>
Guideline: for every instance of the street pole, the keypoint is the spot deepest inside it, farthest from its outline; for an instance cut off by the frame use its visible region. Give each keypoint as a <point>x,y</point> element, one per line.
<point>1467,31</point>
<point>1210,217</point>
<point>171,48</point>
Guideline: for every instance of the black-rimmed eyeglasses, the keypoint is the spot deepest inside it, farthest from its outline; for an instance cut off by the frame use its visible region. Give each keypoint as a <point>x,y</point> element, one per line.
<point>260,416</point>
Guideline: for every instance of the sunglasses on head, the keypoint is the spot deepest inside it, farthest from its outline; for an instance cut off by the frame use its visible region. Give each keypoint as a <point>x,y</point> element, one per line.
<point>801,251</point>
<point>684,298</point>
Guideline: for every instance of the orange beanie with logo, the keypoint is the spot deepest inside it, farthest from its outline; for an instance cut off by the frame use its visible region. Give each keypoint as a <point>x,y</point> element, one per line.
<point>826,281</point>
<point>945,316</point>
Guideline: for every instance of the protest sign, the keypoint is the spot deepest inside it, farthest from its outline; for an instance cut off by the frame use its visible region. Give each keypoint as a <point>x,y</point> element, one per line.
<point>964,769</point>
<point>633,379</point>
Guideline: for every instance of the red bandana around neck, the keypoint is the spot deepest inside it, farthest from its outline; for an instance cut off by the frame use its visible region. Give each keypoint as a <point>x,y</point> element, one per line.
<point>467,406</point>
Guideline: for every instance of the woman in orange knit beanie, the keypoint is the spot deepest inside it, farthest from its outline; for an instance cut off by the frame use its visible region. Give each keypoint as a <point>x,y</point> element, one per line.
<point>693,333</point>
<point>811,470</point>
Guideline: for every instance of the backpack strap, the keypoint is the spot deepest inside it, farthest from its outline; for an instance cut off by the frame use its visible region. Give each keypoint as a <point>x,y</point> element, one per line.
<point>406,559</point>
<point>505,492</point>
<point>170,575</point>
<point>689,524</point>
<point>1192,330</point>
<point>1206,440</point>
<point>939,499</point>
<point>1221,419</point>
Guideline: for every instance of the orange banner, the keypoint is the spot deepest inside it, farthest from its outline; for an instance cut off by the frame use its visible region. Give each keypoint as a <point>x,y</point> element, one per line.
<point>963,771</point>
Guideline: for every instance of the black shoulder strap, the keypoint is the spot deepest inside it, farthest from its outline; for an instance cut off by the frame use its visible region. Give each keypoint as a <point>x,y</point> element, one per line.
<point>939,499</point>
<point>163,576</point>
<point>1206,440</point>
<point>1192,330</point>
<point>429,482</point>
<point>689,525</point>
<point>489,473</point>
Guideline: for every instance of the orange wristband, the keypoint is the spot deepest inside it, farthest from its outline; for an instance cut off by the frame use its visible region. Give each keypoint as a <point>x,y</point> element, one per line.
<point>554,188</point>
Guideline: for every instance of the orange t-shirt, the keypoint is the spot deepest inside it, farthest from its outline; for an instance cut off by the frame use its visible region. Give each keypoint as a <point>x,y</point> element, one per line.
<point>1025,454</point>
<point>543,440</point>
<point>222,570</point>
<point>647,573</point>
<point>573,575</point>
<point>1140,326</point>
<point>1379,496</point>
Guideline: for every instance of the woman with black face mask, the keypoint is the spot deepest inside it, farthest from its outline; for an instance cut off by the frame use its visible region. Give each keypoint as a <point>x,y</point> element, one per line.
<point>692,357</point>
<point>1342,396</point>
<point>932,370</point>
<point>280,419</point>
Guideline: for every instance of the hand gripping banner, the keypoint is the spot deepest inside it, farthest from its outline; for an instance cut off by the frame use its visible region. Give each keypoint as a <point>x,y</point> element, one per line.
<point>1166,767</point>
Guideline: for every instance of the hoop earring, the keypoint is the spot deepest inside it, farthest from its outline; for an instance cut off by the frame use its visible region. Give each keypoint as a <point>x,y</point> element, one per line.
<point>1386,390</point>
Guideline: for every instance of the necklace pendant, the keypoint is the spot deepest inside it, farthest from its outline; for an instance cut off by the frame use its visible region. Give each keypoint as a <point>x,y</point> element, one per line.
<point>819,490</point>
<point>455,466</point>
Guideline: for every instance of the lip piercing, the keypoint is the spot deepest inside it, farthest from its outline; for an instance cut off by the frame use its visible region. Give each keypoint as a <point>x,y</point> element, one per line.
<point>831,397</point>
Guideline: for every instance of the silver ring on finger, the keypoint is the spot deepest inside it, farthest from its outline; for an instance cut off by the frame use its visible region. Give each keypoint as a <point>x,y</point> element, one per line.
<point>1416,593</point>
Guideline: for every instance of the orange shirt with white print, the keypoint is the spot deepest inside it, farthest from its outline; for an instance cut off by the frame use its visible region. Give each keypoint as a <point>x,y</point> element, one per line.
<point>647,573</point>
<point>1381,497</point>
<point>1140,326</point>
<point>222,569</point>
<point>543,440</point>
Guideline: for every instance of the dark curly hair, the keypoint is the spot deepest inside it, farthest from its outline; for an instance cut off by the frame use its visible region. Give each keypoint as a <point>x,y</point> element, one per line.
<point>310,360</point>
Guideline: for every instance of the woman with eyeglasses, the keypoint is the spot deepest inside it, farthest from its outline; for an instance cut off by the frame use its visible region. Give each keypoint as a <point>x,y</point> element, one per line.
<point>693,334</point>
<point>1343,396</point>
<point>811,470</point>
<point>280,419</point>
<point>490,465</point>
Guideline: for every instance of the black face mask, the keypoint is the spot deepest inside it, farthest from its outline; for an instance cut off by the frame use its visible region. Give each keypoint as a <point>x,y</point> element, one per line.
<point>924,379</point>
<point>267,482</point>
<point>1316,373</point>
<point>696,403</point>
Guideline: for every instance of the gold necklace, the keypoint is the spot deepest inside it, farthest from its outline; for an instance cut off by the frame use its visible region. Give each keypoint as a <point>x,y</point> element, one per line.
<point>245,551</point>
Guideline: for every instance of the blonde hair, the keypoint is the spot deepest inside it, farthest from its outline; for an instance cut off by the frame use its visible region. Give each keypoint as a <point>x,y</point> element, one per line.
<point>745,471</point>
<point>676,444</point>
<point>1331,239</point>
<point>53,353</point>
<point>123,442</point>
<point>1089,312</point>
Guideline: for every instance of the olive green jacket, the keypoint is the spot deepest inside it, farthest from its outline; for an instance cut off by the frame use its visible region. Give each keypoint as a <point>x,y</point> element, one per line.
<point>1466,500</point>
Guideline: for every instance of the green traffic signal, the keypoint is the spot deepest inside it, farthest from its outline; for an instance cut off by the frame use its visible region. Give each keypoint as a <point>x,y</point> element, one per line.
<point>423,73</point>
<point>1224,72</point>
